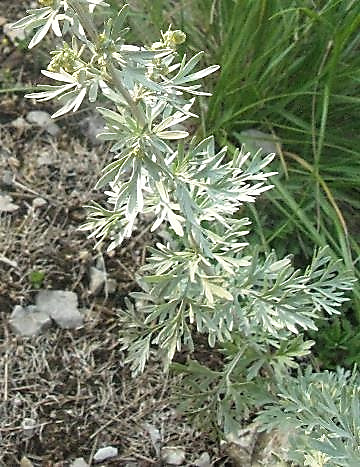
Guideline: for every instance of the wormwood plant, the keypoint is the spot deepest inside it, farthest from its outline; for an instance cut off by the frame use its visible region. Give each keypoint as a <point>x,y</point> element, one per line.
<point>204,279</point>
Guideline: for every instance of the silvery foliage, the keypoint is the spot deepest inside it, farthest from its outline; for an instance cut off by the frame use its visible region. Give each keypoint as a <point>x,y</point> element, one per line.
<point>321,414</point>
<point>205,279</point>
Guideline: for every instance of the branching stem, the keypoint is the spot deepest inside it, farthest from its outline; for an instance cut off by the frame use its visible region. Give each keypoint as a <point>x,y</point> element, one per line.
<point>88,24</point>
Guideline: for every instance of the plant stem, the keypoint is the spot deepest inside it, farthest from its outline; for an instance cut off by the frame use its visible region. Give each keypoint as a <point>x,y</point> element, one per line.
<point>87,23</point>
<point>86,20</point>
<point>135,110</point>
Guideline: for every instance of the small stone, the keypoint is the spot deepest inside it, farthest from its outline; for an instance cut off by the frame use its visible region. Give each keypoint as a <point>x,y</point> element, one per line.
<point>39,202</point>
<point>28,425</point>
<point>155,436</point>
<point>6,204</point>
<point>105,453</point>
<point>29,321</point>
<point>173,455</point>
<point>97,280</point>
<point>25,462</point>
<point>203,460</point>
<point>20,123</point>
<point>61,306</point>
<point>43,120</point>
<point>17,402</point>
<point>79,462</point>
<point>260,140</point>
<point>7,178</point>
<point>84,255</point>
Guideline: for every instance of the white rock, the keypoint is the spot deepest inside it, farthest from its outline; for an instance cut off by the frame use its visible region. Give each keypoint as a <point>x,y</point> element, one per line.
<point>29,321</point>
<point>79,462</point>
<point>97,280</point>
<point>28,425</point>
<point>173,455</point>
<point>105,453</point>
<point>6,204</point>
<point>39,202</point>
<point>43,120</point>
<point>260,140</point>
<point>203,460</point>
<point>61,306</point>
<point>25,462</point>
<point>7,177</point>
<point>20,123</point>
<point>155,436</point>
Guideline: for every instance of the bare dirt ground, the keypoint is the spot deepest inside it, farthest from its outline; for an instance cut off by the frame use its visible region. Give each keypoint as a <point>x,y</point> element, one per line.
<point>72,383</point>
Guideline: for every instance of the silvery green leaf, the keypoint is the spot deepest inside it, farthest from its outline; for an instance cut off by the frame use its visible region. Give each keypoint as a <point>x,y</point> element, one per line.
<point>93,90</point>
<point>173,134</point>
<point>79,98</point>
<point>198,75</point>
<point>50,93</point>
<point>111,170</point>
<point>172,120</point>
<point>97,3</point>
<point>26,21</point>
<point>111,115</point>
<point>111,94</point>
<point>55,25</point>
<point>63,76</point>
<point>187,67</point>
<point>175,221</point>
<point>220,292</point>
<point>42,31</point>
<point>73,100</point>
<point>193,90</point>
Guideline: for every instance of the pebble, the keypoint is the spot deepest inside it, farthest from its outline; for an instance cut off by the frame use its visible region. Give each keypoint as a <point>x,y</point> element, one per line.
<point>97,280</point>
<point>29,321</point>
<point>203,460</point>
<point>93,125</point>
<point>173,455</point>
<point>43,120</point>
<point>28,425</point>
<point>7,177</point>
<point>111,286</point>
<point>79,462</point>
<point>39,202</point>
<point>25,462</point>
<point>20,123</point>
<point>61,306</point>
<point>6,204</point>
<point>105,453</point>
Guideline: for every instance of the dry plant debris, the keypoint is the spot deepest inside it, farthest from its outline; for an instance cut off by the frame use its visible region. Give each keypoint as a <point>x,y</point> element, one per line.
<point>66,394</point>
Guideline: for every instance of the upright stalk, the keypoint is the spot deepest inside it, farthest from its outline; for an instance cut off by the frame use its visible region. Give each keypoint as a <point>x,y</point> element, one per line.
<point>89,26</point>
